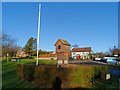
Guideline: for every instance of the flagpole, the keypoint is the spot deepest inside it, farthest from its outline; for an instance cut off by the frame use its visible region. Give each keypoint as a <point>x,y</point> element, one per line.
<point>38,34</point>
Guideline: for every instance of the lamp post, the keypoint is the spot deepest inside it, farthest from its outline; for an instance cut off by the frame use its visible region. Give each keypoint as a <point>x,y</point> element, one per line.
<point>7,56</point>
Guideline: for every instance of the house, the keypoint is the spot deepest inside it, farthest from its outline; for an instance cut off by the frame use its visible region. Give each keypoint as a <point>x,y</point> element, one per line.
<point>21,53</point>
<point>62,50</point>
<point>81,53</point>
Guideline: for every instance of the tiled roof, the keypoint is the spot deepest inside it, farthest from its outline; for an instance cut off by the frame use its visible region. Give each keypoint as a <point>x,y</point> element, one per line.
<point>64,42</point>
<point>86,49</point>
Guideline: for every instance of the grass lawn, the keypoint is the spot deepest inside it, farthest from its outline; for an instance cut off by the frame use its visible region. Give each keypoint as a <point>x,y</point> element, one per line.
<point>9,76</point>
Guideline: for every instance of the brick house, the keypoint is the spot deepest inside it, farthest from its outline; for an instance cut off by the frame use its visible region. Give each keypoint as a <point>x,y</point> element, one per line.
<point>62,49</point>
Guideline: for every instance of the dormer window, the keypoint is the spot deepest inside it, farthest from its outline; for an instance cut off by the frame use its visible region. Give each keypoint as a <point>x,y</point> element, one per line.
<point>58,46</point>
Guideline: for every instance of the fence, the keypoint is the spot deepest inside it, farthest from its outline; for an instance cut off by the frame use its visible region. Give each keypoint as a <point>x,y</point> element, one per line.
<point>47,55</point>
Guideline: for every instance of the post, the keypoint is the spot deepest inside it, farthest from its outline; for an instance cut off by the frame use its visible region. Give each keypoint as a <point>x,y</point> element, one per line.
<point>38,34</point>
<point>7,56</point>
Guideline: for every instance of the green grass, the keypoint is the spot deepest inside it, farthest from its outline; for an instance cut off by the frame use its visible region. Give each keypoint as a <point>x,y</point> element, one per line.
<point>108,85</point>
<point>33,61</point>
<point>10,78</point>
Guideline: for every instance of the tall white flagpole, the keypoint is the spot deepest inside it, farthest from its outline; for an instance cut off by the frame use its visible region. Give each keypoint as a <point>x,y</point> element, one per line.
<point>38,34</point>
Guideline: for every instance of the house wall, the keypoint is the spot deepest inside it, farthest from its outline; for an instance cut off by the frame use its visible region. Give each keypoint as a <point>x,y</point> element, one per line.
<point>64,52</point>
<point>83,55</point>
<point>62,56</point>
<point>63,48</point>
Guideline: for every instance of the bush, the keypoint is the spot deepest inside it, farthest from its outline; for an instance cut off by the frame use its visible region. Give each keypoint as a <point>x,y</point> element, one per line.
<point>20,68</point>
<point>29,72</point>
<point>25,71</point>
<point>52,59</point>
<point>44,76</point>
<point>99,73</point>
<point>73,77</point>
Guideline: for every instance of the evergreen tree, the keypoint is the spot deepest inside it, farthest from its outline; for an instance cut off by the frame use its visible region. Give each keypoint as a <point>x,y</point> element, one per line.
<point>31,46</point>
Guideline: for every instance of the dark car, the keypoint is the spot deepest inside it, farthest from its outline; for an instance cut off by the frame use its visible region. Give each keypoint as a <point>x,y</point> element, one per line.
<point>103,60</point>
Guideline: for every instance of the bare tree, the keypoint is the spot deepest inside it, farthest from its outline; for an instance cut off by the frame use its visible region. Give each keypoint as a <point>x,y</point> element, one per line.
<point>8,45</point>
<point>114,51</point>
<point>100,54</point>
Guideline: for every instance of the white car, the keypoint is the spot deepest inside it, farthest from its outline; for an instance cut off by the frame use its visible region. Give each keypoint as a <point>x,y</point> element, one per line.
<point>97,59</point>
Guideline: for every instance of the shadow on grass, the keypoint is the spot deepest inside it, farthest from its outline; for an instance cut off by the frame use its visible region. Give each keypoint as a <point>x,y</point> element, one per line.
<point>10,78</point>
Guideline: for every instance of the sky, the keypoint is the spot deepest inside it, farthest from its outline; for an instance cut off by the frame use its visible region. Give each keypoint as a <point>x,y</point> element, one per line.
<point>87,24</point>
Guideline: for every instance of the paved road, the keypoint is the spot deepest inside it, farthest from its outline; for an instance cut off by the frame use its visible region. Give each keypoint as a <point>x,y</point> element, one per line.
<point>88,62</point>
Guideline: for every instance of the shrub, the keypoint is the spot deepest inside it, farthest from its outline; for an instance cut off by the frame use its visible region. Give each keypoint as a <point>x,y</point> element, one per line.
<point>99,73</point>
<point>20,68</point>
<point>73,77</point>
<point>45,75</point>
<point>52,59</point>
<point>29,72</point>
<point>25,71</point>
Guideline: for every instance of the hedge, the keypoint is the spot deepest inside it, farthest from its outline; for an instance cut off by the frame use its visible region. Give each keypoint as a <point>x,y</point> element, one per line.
<point>71,77</point>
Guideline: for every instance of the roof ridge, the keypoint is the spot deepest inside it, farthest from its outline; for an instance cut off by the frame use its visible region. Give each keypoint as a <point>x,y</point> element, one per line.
<point>64,41</point>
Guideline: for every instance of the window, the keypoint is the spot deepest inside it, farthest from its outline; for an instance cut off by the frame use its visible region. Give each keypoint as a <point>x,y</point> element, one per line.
<point>58,46</point>
<point>74,53</point>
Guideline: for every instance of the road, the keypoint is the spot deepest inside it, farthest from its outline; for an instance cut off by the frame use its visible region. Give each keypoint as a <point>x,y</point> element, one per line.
<point>88,62</point>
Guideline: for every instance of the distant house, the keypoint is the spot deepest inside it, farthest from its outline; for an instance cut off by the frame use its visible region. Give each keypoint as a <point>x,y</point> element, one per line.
<point>81,53</point>
<point>21,53</point>
<point>62,49</point>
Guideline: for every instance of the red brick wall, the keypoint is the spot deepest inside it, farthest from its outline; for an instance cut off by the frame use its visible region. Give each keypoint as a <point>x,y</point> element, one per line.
<point>63,48</point>
<point>64,52</point>
<point>62,56</point>
<point>47,55</point>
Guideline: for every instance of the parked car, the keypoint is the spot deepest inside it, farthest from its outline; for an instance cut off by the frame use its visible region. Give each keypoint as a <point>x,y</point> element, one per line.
<point>97,59</point>
<point>112,61</point>
<point>103,60</point>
